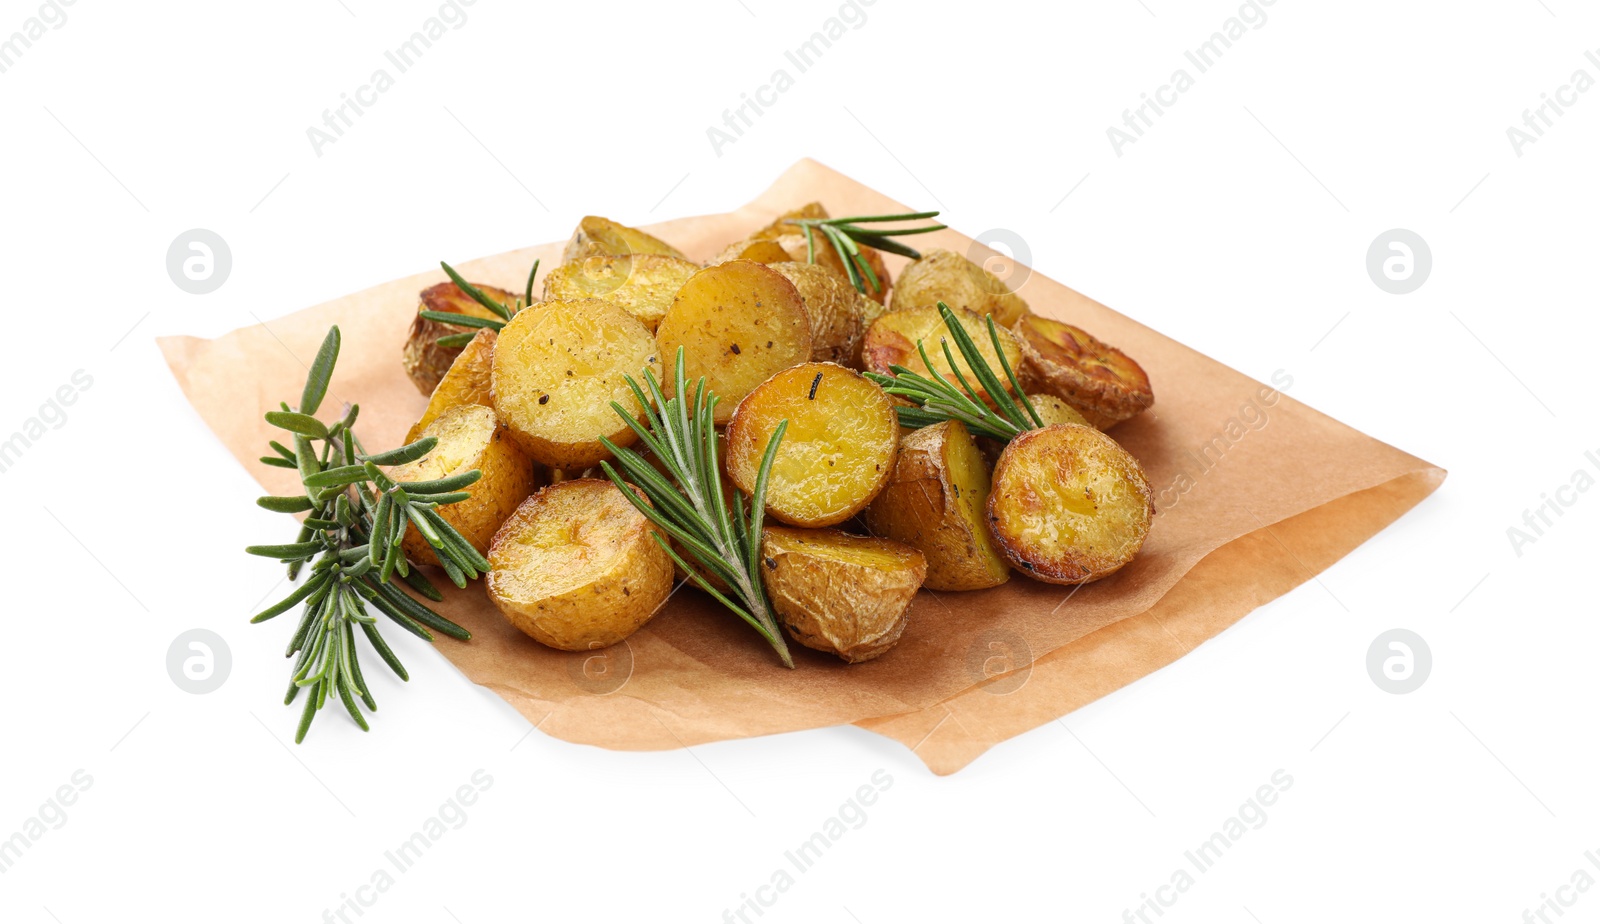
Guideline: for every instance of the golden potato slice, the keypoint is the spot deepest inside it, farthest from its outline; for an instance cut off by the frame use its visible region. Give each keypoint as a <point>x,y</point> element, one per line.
<point>934,503</point>
<point>892,341</point>
<point>836,454</point>
<point>949,277</point>
<point>760,250</point>
<point>780,225</point>
<point>1068,505</point>
<point>838,312</point>
<point>1053,410</point>
<point>842,594</point>
<point>466,382</point>
<point>738,323</point>
<point>595,236</point>
<point>795,245</point>
<point>557,368</point>
<point>1101,381</point>
<point>470,437</point>
<point>424,359</point>
<point>642,283</point>
<point>576,566</point>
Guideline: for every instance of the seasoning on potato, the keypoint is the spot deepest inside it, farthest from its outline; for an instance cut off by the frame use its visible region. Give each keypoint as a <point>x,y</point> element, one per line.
<point>934,502</point>
<point>558,366</point>
<point>1068,505</point>
<point>595,235</point>
<point>642,283</point>
<point>838,312</point>
<point>1101,381</point>
<point>949,277</point>
<point>738,323</point>
<point>577,567</point>
<point>892,341</point>
<point>424,359</point>
<point>846,595</point>
<point>837,451</point>
<point>467,381</point>
<point>470,437</point>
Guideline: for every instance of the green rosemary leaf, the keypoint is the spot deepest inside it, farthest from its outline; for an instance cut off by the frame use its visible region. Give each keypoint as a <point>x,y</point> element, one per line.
<point>321,373</point>
<point>422,585</point>
<point>527,293</point>
<point>410,452</point>
<point>451,341</point>
<point>281,450</point>
<point>462,320</point>
<point>349,702</point>
<point>303,424</point>
<point>286,551</point>
<point>475,293</point>
<point>276,462</point>
<point>382,647</point>
<point>300,593</point>
<point>442,485</point>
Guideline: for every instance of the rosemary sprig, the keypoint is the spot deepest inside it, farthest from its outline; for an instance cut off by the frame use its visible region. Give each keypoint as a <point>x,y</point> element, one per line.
<point>502,311</point>
<point>846,234</point>
<point>690,507</point>
<point>938,400</point>
<point>356,517</point>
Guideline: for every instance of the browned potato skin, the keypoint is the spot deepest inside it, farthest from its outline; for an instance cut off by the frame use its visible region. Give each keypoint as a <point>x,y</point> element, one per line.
<point>1076,479</point>
<point>595,235</point>
<point>838,312</point>
<point>642,283</point>
<point>558,366</point>
<point>793,240</point>
<point>1103,383</point>
<point>943,275</point>
<point>845,595</point>
<point>424,359</point>
<point>891,340</point>
<point>466,382</point>
<point>576,567</point>
<point>837,452</point>
<point>469,438</point>
<point>760,250</point>
<point>738,323</point>
<point>934,503</point>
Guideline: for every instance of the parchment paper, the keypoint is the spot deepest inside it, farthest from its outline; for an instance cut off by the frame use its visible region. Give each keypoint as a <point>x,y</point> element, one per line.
<point>1257,493</point>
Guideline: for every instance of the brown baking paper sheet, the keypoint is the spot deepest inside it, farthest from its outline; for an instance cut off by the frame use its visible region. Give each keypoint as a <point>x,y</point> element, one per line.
<point>1240,471</point>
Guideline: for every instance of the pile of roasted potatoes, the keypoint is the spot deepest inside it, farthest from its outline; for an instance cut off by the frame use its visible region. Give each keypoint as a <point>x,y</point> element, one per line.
<point>861,512</point>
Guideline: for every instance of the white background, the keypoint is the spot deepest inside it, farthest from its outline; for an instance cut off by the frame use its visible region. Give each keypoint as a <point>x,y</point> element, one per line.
<point>1239,224</point>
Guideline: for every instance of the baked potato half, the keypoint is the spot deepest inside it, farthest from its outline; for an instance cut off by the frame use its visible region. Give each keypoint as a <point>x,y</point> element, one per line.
<point>558,366</point>
<point>946,276</point>
<point>1068,505</point>
<point>424,359</point>
<point>467,381</point>
<point>596,236</point>
<point>846,595</point>
<point>934,502</point>
<point>892,341</point>
<point>1101,381</point>
<point>838,312</point>
<point>470,437</point>
<point>577,566</point>
<point>738,323</point>
<point>793,240</point>
<point>760,250</point>
<point>837,451</point>
<point>642,283</point>
<point>1053,410</point>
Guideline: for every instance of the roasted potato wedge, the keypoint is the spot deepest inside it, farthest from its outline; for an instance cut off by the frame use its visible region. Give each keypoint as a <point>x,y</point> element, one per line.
<point>837,451</point>
<point>470,437</point>
<point>946,276</point>
<point>760,250</point>
<point>558,366</point>
<point>780,225</point>
<point>577,566</point>
<point>892,341</point>
<point>795,246</point>
<point>1101,381</point>
<point>467,381</point>
<point>738,323</point>
<point>838,312</point>
<point>1053,410</point>
<point>934,502</point>
<point>596,236</point>
<point>642,283</point>
<point>1068,505</point>
<point>424,359</point>
<point>846,595</point>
